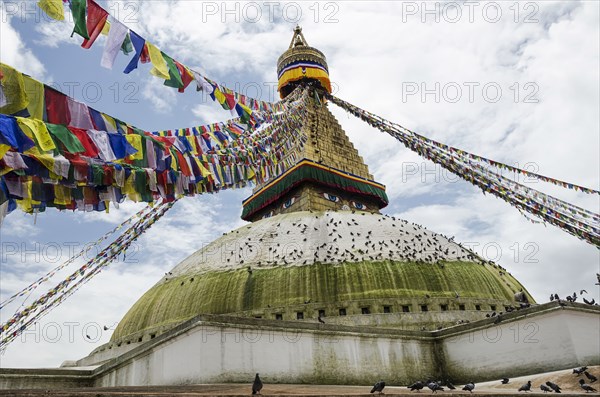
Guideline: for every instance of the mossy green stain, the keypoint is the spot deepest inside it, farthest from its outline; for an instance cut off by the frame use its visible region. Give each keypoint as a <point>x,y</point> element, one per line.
<point>235,291</point>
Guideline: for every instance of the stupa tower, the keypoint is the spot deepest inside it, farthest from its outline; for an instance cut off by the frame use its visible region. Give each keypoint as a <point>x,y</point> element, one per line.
<point>317,246</point>
<point>330,174</point>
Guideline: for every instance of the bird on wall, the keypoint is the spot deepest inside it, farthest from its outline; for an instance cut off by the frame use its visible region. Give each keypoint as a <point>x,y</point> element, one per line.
<point>257,385</point>
<point>585,386</point>
<point>505,381</point>
<point>469,387</point>
<point>526,386</point>
<point>553,386</point>
<point>434,387</point>
<point>418,385</point>
<point>545,388</point>
<point>378,387</point>
<point>591,377</point>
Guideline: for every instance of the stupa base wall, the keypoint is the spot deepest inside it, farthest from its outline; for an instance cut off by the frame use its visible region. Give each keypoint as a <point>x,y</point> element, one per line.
<point>219,349</point>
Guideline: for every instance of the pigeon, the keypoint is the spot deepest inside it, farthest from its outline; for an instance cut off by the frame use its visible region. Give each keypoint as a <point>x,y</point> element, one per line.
<point>378,387</point>
<point>591,377</point>
<point>545,388</point>
<point>580,370</point>
<point>450,386</point>
<point>582,292</point>
<point>526,386</point>
<point>598,277</point>
<point>257,385</point>
<point>469,387</point>
<point>556,297</point>
<point>418,385</point>
<point>589,302</point>
<point>586,387</point>
<point>434,386</point>
<point>551,297</point>
<point>553,386</point>
<point>504,381</point>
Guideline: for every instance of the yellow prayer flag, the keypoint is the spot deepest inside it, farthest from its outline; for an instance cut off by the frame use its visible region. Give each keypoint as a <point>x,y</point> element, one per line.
<point>37,128</point>
<point>14,90</point>
<point>160,68</point>
<point>105,28</point>
<point>47,161</point>
<point>54,8</point>
<point>246,108</point>
<point>111,124</point>
<point>129,187</point>
<point>192,140</point>
<point>205,173</point>
<point>219,95</point>
<point>3,149</point>
<point>35,94</point>
<point>135,140</point>
<point>62,195</point>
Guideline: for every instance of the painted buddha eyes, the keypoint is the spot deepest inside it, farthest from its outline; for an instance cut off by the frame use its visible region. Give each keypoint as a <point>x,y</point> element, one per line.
<point>358,206</point>
<point>331,197</point>
<point>289,203</point>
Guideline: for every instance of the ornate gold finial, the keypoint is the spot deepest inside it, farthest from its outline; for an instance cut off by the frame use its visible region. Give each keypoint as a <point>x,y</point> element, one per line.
<point>301,62</point>
<point>298,38</point>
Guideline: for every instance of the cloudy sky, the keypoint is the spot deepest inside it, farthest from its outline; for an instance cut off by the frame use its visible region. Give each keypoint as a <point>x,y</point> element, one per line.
<point>514,82</point>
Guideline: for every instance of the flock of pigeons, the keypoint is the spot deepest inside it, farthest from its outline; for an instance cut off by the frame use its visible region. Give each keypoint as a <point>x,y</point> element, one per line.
<point>573,298</point>
<point>436,386</point>
<point>332,237</point>
<point>553,387</point>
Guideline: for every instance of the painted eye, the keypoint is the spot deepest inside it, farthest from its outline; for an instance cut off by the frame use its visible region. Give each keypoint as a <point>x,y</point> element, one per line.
<point>331,197</point>
<point>358,206</point>
<point>268,215</point>
<point>289,203</point>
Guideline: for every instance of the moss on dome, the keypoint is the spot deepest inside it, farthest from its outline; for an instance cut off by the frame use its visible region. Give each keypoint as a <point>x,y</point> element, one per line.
<point>238,291</point>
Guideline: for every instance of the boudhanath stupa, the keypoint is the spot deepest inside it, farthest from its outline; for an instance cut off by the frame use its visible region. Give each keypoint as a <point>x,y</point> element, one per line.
<point>320,287</point>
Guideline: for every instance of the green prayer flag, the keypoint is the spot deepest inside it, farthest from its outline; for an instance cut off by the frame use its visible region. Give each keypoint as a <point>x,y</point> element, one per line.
<point>174,76</point>
<point>127,46</point>
<point>61,133</point>
<point>78,9</point>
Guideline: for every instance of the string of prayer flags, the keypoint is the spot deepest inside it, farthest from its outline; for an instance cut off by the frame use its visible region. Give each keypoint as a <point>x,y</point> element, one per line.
<point>87,168</point>
<point>90,20</point>
<point>572,219</point>
<point>22,319</point>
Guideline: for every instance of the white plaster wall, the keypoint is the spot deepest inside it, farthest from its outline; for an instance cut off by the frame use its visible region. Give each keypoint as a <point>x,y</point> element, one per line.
<point>543,342</point>
<point>207,352</point>
<point>210,354</point>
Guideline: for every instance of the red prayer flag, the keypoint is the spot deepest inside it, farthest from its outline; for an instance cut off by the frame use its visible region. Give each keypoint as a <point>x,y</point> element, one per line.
<point>186,77</point>
<point>96,18</point>
<point>90,147</point>
<point>57,108</point>
<point>145,56</point>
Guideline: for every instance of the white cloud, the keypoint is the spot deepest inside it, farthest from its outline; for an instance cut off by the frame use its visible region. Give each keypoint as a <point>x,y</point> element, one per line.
<point>161,97</point>
<point>12,49</point>
<point>55,33</point>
